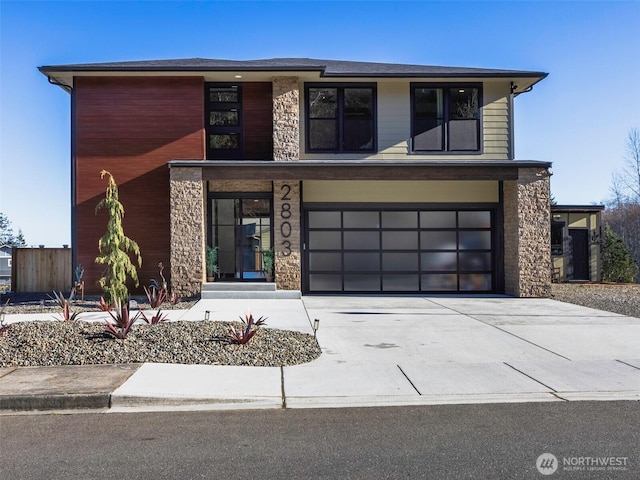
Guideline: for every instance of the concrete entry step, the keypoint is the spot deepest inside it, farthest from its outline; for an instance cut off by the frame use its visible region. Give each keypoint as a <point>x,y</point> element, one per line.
<point>232,290</point>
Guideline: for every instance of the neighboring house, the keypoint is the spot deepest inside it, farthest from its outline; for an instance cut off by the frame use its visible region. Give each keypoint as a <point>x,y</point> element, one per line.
<point>5,265</point>
<point>576,235</point>
<point>363,177</point>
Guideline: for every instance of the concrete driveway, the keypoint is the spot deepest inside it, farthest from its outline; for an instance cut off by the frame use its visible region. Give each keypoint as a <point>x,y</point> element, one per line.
<point>457,349</point>
<point>398,351</point>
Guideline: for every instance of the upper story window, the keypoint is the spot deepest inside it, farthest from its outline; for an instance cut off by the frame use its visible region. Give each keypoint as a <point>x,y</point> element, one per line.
<point>445,118</point>
<point>340,118</point>
<point>223,120</point>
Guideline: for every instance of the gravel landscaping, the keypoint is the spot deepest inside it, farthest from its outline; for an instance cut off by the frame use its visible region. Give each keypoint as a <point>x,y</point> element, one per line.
<point>617,298</point>
<point>48,343</point>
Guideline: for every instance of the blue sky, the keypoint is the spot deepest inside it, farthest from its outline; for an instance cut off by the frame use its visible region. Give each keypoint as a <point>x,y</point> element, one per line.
<point>577,118</point>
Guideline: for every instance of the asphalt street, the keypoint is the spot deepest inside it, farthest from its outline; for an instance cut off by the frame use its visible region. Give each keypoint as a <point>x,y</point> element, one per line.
<point>489,441</point>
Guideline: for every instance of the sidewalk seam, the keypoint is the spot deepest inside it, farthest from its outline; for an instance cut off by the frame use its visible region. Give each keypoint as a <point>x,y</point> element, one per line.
<point>409,380</point>
<point>553,390</point>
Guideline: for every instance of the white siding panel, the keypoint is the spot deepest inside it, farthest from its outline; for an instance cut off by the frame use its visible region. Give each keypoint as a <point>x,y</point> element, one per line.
<point>394,118</point>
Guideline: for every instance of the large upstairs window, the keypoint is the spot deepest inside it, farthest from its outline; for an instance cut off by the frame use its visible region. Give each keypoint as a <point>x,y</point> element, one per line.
<point>340,118</point>
<point>223,120</point>
<point>445,118</point>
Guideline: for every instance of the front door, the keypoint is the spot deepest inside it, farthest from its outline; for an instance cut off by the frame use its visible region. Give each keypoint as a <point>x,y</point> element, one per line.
<point>580,252</point>
<point>241,229</point>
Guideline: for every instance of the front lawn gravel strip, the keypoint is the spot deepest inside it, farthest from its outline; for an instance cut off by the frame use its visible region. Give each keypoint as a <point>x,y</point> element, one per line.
<point>611,297</point>
<point>54,342</point>
<point>47,343</point>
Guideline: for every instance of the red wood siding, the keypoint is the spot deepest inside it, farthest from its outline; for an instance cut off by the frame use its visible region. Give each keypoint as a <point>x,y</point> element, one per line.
<point>132,126</point>
<point>257,105</point>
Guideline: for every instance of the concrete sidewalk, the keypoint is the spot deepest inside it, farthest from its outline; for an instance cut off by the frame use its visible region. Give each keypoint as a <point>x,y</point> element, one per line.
<point>376,351</point>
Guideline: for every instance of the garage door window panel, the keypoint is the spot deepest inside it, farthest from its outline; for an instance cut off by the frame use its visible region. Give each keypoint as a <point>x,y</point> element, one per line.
<point>440,283</point>
<point>475,261</point>
<point>439,261</point>
<point>324,220</point>
<point>325,261</point>
<point>475,282</point>
<point>445,219</point>
<point>400,220</point>
<point>361,219</point>
<point>399,240</point>
<point>325,240</point>
<point>400,283</point>
<point>361,262</point>
<point>362,240</point>
<point>362,283</point>
<point>475,240</point>
<point>405,261</point>
<point>325,283</point>
<point>480,219</point>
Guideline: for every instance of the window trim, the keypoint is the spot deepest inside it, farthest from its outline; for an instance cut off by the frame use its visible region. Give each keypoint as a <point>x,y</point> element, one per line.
<point>340,115</point>
<point>222,154</point>
<point>557,249</point>
<point>445,86</point>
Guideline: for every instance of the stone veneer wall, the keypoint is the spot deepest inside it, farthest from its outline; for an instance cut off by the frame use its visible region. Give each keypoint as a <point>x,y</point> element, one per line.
<point>187,230</point>
<point>253,186</point>
<point>527,247</point>
<point>286,234</point>
<point>286,119</point>
<point>286,200</point>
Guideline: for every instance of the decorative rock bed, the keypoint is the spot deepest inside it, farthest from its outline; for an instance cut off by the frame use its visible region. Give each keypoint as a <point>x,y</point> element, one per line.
<point>55,342</point>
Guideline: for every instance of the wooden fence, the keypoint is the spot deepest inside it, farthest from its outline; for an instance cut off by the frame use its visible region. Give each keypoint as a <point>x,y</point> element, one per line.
<point>41,269</point>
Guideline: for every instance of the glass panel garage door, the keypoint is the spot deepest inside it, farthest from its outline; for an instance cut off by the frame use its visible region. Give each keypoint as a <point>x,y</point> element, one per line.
<point>402,251</point>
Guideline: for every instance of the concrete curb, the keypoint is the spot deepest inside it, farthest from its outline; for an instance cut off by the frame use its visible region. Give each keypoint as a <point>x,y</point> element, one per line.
<point>54,402</point>
<point>61,388</point>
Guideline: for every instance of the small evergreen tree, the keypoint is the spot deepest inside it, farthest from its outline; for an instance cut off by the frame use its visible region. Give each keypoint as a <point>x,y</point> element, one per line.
<point>114,247</point>
<point>6,233</point>
<point>617,263</point>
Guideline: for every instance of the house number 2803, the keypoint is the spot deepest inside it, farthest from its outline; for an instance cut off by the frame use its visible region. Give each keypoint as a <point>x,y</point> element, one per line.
<point>285,215</point>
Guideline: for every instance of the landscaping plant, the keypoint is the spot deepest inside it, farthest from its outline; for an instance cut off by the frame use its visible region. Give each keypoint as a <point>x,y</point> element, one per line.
<point>211,260</point>
<point>155,319</point>
<point>123,321</point>
<point>3,325</point>
<point>250,326</point>
<point>617,263</point>
<point>155,296</point>
<point>79,283</point>
<point>104,306</point>
<point>63,303</point>
<point>158,294</point>
<point>114,248</point>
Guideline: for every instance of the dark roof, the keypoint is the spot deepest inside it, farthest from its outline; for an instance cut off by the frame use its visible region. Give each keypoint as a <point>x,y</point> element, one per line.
<point>577,208</point>
<point>328,68</point>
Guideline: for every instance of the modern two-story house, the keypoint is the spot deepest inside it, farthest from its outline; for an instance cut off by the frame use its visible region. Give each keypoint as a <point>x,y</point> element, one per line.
<point>360,177</point>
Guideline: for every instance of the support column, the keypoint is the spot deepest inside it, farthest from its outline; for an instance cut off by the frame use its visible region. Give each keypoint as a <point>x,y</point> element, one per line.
<point>527,245</point>
<point>286,119</point>
<point>187,230</point>
<point>286,194</point>
<point>286,239</point>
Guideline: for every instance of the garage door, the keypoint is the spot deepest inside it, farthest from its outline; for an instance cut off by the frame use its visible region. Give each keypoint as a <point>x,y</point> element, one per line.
<point>401,251</point>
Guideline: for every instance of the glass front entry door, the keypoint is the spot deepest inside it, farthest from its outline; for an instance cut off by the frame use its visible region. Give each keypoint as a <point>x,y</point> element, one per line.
<point>241,229</point>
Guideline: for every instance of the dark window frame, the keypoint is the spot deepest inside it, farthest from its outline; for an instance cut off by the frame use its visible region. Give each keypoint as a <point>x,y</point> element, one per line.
<point>210,130</point>
<point>446,117</point>
<point>341,116</point>
<point>557,249</point>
